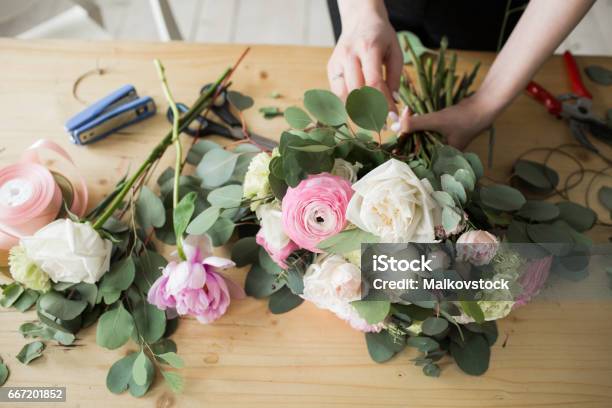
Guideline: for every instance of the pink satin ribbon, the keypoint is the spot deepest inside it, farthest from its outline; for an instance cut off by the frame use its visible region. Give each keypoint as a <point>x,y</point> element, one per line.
<point>30,198</point>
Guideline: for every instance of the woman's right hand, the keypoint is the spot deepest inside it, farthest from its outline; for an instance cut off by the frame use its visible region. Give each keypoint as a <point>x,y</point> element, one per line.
<point>367,43</point>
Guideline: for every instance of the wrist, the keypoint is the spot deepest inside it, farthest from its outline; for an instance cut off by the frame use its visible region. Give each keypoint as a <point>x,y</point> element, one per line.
<point>353,12</point>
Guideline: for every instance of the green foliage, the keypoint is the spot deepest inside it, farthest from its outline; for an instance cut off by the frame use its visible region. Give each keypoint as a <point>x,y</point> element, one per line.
<point>368,108</point>
<point>239,100</point>
<point>473,356</point>
<point>283,301</point>
<point>245,252</point>
<point>27,299</point>
<point>540,211</point>
<point>216,167</point>
<point>114,328</point>
<point>57,305</point>
<point>30,352</point>
<point>226,197</point>
<point>150,322</point>
<point>502,198</point>
<point>44,332</point>
<point>270,112</point>
<point>221,231</point>
<point>417,46</point>
<point>261,284</point>
<point>325,106</point>
<point>433,326</point>
<point>182,213</point>
<point>297,118</point>
<point>148,268</point>
<point>599,74</point>
<point>473,310</point>
<point>535,176</point>
<point>372,311</point>
<point>172,359</point>
<point>174,381</point>
<point>150,211</point>
<point>383,346</point>
<point>4,373</point>
<point>10,293</point>
<point>115,281</point>
<point>347,241</point>
<point>204,221</point>
<point>579,217</point>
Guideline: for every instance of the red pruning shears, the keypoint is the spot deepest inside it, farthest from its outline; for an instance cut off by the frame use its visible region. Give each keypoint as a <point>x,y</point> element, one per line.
<point>576,107</point>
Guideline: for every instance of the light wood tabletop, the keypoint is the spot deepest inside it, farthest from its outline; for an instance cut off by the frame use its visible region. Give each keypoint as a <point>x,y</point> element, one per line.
<point>548,354</point>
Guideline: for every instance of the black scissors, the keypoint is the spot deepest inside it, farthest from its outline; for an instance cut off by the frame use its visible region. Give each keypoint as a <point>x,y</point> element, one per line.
<point>230,128</point>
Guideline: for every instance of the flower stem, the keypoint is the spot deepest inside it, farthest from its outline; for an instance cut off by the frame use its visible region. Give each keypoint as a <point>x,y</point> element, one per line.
<point>202,103</point>
<point>161,72</point>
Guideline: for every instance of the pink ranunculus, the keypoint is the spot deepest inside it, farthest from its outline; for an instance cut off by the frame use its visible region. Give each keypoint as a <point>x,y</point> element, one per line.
<point>194,286</point>
<point>477,247</point>
<point>533,279</point>
<point>316,209</point>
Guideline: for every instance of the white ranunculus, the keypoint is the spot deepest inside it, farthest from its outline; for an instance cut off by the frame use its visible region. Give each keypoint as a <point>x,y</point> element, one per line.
<point>270,218</point>
<point>256,185</point>
<point>393,204</point>
<point>332,283</point>
<point>69,251</point>
<point>346,170</point>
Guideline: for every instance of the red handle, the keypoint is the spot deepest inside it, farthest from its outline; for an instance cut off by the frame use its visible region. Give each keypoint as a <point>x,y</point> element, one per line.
<point>574,75</point>
<point>543,96</point>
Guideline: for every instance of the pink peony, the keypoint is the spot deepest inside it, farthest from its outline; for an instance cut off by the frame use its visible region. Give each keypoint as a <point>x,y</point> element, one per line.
<point>477,247</point>
<point>533,279</point>
<point>194,287</point>
<point>316,209</point>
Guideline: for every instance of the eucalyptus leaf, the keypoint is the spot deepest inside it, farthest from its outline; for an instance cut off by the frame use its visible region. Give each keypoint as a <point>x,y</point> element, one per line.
<point>120,374</point>
<point>443,199</point>
<point>139,369</point>
<point>195,154</point>
<point>239,100</point>
<point>454,188</point>
<point>431,370</point>
<point>466,178</point>
<point>44,332</point>
<point>579,217</point>
<point>259,283</point>
<point>216,167</point>
<point>540,211</point>
<point>174,381</point>
<point>382,346</point>
<point>422,343</point>
<point>450,219</point>
<point>149,267</point>
<point>115,281</point>
<point>150,322</point>
<point>270,112</point>
<point>476,164</point>
<point>599,74</point>
<point>27,299</point>
<point>325,106</point>
<point>138,390</point>
<point>204,221</point>
<point>605,197</point>
<point>347,241</point>
<point>226,197</point>
<point>221,231</point>
<point>114,328</point>
<point>172,359</point>
<point>245,251</point>
<point>536,176</point>
<point>372,311</point>
<point>473,310</point>
<point>30,352</point>
<point>57,305</point>
<point>368,108</point>
<point>4,373</point>
<point>473,357</point>
<point>182,214</point>
<point>405,37</point>
<point>150,211</point>
<point>432,326</point>
<point>10,294</point>
<point>501,197</point>
<point>284,301</point>
<point>297,118</point>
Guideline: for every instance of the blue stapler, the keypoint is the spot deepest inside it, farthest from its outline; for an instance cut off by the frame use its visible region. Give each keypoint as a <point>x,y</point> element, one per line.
<point>111,113</point>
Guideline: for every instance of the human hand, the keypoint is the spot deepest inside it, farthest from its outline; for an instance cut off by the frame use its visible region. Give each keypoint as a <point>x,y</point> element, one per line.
<point>459,124</point>
<point>368,42</point>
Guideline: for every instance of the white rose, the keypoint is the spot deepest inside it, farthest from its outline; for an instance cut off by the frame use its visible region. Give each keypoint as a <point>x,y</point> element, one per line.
<point>256,185</point>
<point>346,170</point>
<point>69,251</point>
<point>270,219</point>
<point>332,283</point>
<point>393,204</point>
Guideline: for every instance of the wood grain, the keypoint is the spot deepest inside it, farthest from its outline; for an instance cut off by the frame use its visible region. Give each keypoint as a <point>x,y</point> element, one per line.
<point>550,353</point>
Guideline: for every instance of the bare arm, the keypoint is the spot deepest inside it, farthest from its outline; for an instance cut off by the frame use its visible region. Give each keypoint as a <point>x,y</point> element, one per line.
<point>543,26</point>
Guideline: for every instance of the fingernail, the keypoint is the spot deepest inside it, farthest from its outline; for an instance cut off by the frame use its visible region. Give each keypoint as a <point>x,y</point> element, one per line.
<point>393,116</point>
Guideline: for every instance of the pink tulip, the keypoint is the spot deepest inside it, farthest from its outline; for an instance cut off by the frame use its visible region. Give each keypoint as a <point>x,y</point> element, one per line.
<point>316,209</point>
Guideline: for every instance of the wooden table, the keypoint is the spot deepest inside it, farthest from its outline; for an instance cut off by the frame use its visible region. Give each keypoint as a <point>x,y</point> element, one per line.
<point>549,354</point>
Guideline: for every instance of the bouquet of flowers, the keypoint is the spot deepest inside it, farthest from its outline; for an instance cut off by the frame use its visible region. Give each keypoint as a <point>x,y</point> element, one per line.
<point>342,177</point>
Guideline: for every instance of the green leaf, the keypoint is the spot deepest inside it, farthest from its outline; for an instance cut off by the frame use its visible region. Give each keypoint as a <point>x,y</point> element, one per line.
<point>245,252</point>
<point>57,305</point>
<point>475,163</point>
<point>347,241</point>
<point>139,370</point>
<point>579,217</point>
<point>418,47</point>
<point>501,197</point>
<point>136,389</point>
<point>30,352</point>
<point>4,373</point>
<point>540,211</point>
<point>372,311</point>
<point>240,101</point>
<point>432,326</point>
<point>267,263</point>
<point>382,346</point>
<point>368,108</point>
<point>26,300</point>
<point>226,197</point>
<point>174,381</point>
<point>149,267</point>
<point>120,374</point>
<point>423,344</point>
<point>605,197</point>
<point>42,331</point>
<point>10,294</point>
<point>216,167</point>
<point>443,199</point>
<point>118,279</point>
<point>325,106</point>
<point>259,283</point>
<point>221,231</point>
<point>312,148</point>
<point>599,74</point>
<point>283,301</point>
<point>473,310</point>
<point>450,219</point>
<point>194,156</point>
<point>114,328</point>
<point>536,176</point>
<point>555,235</point>
<point>150,211</point>
<point>431,370</point>
<point>466,178</point>
<point>204,221</point>
<point>297,118</point>
<point>183,212</point>
<point>173,359</point>
<point>473,357</point>
<point>150,322</point>
<point>454,188</point>
<point>270,112</point>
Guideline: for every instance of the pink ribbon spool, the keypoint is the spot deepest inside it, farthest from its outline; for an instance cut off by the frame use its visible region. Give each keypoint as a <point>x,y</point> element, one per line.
<point>30,198</point>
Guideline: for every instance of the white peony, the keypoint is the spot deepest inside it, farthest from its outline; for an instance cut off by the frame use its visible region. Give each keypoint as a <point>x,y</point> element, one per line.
<point>393,204</point>
<point>270,219</point>
<point>332,283</point>
<point>346,170</point>
<point>256,185</point>
<point>69,251</point>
